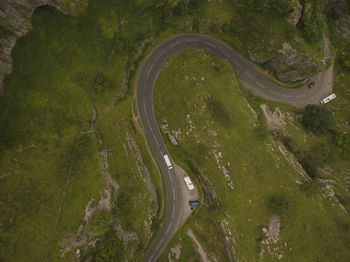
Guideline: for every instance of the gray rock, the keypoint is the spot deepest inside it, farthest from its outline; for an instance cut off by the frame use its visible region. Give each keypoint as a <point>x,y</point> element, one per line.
<point>291,65</point>
<point>342,27</point>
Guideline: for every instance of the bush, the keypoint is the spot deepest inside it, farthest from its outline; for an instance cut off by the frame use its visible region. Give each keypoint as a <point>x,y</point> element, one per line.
<point>310,165</point>
<point>342,142</point>
<point>312,20</point>
<point>318,119</point>
<point>99,224</point>
<point>289,144</point>
<point>262,132</point>
<point>278,204</point>
<point>218,112</point>
<point>110,248</point>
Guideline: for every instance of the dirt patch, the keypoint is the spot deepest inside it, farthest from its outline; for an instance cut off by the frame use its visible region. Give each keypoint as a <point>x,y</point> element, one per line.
<point>175,251</point>
<point>185,195</point>
<point>200,250</point>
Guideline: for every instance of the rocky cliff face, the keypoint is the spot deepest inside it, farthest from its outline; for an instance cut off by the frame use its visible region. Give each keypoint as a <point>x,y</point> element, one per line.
<point>15,22</point>
<point>339,12</point>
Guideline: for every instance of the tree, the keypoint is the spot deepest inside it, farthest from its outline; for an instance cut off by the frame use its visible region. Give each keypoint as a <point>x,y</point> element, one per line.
<point>313,21</point>
<point>318,119</point>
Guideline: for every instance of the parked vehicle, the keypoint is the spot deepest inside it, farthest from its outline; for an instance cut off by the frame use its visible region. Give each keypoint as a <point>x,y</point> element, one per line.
<point>328,98</point>
<point>193,203</point>
<point>312,84</point>
<point>167,161</point>
<point>189,183</point>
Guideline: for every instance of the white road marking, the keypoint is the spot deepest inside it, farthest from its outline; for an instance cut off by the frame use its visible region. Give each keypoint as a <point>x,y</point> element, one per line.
<point>156,141</point>
<point>171,179</point>
<point>249,75</point>
<point>160,54</point>
<point>149,123</point>
<point>237,64</point>
<point>191,40</point>
<point>261,85</point>
<point>159,244</point>
<point>144,108</point>
<point>286,95</point>
<point>174,44</point>
<point>210,44</point>
<point>150,258</point>
<point>149,71</point>
<point>166,232</point>
<point>173,194</point>
<point>172,216</point>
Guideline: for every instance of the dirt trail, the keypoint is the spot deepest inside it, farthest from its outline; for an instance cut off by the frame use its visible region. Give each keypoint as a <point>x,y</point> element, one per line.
<point>199,247</point>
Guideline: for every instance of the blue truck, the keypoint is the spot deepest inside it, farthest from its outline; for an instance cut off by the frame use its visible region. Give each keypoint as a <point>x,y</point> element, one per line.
<point>193,204</point>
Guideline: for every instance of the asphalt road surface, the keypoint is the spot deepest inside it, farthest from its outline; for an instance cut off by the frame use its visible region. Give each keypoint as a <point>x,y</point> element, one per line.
<point>246,72</point>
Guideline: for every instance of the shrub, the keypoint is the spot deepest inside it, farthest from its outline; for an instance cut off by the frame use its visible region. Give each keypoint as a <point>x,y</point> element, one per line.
<point>110,248</point>
<point>218,111</point>
<point>318,119</point>
<point>290,144</point>
<point>310,165</point>
<point>99,224</point>
<point>342,142</point>
<point>313,20</point>
<point>277,203</point>
<point>262,132</point>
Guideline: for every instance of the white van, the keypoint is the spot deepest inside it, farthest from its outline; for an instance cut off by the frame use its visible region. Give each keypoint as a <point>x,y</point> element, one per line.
<point>189,183</point>
<point>167,161</point>
<point>327,99</point>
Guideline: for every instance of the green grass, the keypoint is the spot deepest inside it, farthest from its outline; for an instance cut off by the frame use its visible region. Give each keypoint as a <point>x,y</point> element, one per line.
<point>264,183</point>
<point>62,69</point>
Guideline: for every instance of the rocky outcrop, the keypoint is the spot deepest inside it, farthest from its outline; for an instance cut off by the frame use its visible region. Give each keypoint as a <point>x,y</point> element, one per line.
<point>15,20</point>
<point>336,8</point>
<point>339,13</point>
<point>294,16</point>
<point>292,65</point>
<point>342,27</point>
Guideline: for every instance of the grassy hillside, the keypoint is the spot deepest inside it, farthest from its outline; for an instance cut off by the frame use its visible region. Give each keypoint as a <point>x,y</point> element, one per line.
<point>77,178</point>
<point>68,140</point>
<point>257,200</point>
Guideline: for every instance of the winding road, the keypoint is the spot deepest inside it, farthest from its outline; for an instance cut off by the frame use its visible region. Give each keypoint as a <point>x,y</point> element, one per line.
<point>247,73</point>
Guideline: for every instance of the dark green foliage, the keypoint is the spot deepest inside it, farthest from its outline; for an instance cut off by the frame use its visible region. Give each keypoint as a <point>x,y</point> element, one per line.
<point>318,119</point>
<point>289,144</point>
<point>110,249</point>
<point>226,28</point>
<point>218,111</point>
<point>100,223</point>
<point>342,142</point>
<point>281,5</point>
<point>310,165</point>
<point>278,203</point>
<point>313,21</point>
<point>4,31</point>
<point>344,59</point>
<point>262,132</point>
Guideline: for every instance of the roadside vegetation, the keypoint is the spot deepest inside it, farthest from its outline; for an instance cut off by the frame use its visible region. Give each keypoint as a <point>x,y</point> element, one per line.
<point>77,177</point>
<point>258,202</point>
